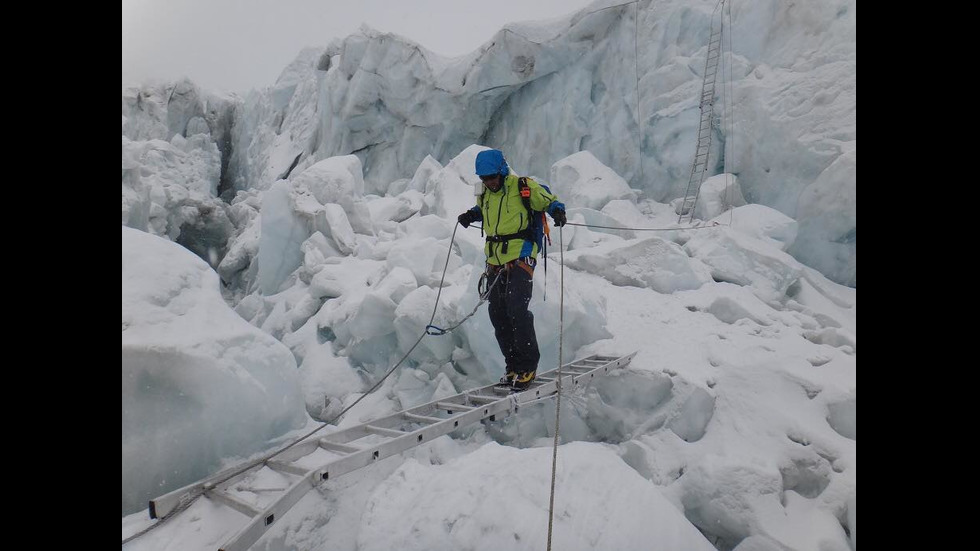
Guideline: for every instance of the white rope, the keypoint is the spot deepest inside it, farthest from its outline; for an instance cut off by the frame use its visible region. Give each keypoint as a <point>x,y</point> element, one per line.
<point>636,72</point>
<point>731,109</point>
<point>561,336</point>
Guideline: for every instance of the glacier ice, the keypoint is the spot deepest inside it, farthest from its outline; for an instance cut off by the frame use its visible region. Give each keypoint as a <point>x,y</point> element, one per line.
<point>543,92</point>
<point>737,258</point>
<point>651,262</point>
<point>199,384</point>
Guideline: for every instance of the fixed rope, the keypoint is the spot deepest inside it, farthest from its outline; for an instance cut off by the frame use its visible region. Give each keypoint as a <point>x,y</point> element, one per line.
<point>730,97</point>
<point>199,492</point>
<point>712,225</point>
<point>561,336</point>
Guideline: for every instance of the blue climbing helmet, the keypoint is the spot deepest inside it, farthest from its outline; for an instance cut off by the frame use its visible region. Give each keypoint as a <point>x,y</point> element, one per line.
<point>491,161</point>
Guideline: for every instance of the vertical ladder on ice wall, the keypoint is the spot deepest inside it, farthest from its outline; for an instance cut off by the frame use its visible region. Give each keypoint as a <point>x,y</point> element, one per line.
<point>700,166</point>
<point>263,493</point>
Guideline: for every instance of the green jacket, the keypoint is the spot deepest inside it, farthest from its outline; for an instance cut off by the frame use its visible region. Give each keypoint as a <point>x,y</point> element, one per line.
<point>503,213</point>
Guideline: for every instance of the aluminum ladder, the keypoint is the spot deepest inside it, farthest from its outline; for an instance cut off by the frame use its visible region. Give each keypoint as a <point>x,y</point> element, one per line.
<point>707,105</point>
<point>300,468</point>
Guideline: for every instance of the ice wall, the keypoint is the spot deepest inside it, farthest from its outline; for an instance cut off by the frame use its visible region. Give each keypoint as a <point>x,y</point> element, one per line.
<point>199,384</point>
<point>543,91</point>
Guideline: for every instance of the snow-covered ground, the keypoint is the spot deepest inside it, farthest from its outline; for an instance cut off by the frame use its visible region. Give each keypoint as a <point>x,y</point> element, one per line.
<point>269,280</point>
<point>737,416</point>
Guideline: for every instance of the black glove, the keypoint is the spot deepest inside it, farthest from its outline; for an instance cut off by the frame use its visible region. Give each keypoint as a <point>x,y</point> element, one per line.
<point>559,217</point>
<point>467,218</point>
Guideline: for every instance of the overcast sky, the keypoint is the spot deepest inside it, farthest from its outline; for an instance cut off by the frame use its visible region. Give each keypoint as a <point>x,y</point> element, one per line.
<point>236,45</point>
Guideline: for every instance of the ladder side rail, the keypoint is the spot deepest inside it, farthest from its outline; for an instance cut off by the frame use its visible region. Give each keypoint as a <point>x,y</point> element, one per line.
<point>342,465</point>
<point>353,460</point>
<point>162,505</point>
<point>299,450</point>
<point>710,75</point>
<point>259,524</point>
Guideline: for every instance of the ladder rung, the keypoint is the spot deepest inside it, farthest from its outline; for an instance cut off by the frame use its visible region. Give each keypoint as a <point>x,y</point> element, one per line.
<point>337,447</point>
<point>484,399</point>
<point>582,367</point>
<point>449,406</point>
<point>288,468</point>
<point>384,432</point>
<point>235,503</point>
<point>422,418</point>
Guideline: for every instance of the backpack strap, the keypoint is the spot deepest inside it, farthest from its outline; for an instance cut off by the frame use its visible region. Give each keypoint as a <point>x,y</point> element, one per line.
<point>525,194</point>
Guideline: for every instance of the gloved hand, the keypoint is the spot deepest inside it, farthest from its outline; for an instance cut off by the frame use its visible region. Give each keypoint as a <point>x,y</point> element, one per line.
<point>467,218</point>
<point>559,217</point>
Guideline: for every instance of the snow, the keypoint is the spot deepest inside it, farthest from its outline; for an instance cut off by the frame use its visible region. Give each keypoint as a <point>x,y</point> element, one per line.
<point>580,179</point>
<point>504,504</point>
<point>651,262</point>
<point>199,384</point>
<point>282,251</point>
<point>740,259</point>
<point>718,193</point>
<point>761,222</point>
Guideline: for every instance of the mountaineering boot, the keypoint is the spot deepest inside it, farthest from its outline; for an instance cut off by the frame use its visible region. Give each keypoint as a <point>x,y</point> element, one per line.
<point>523,380</point>
<point>507,379</point>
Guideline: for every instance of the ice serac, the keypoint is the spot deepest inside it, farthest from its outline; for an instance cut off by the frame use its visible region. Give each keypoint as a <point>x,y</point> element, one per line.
<point>283,233</point>
<point>718,194</point>
<point>175,147</point>
<point>828,221</point>
<point>199,384</point>
<point>543,91</point>
<point>582,180</point>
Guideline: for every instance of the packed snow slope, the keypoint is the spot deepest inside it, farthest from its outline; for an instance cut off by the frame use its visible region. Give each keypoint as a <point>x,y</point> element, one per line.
<point>620,80</point>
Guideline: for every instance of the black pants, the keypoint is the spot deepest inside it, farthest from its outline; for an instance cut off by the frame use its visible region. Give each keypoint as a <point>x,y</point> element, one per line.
<point>513,324</point>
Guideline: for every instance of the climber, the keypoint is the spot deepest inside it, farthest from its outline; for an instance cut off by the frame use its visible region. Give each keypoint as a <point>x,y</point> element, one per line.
<point>512,211</point>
